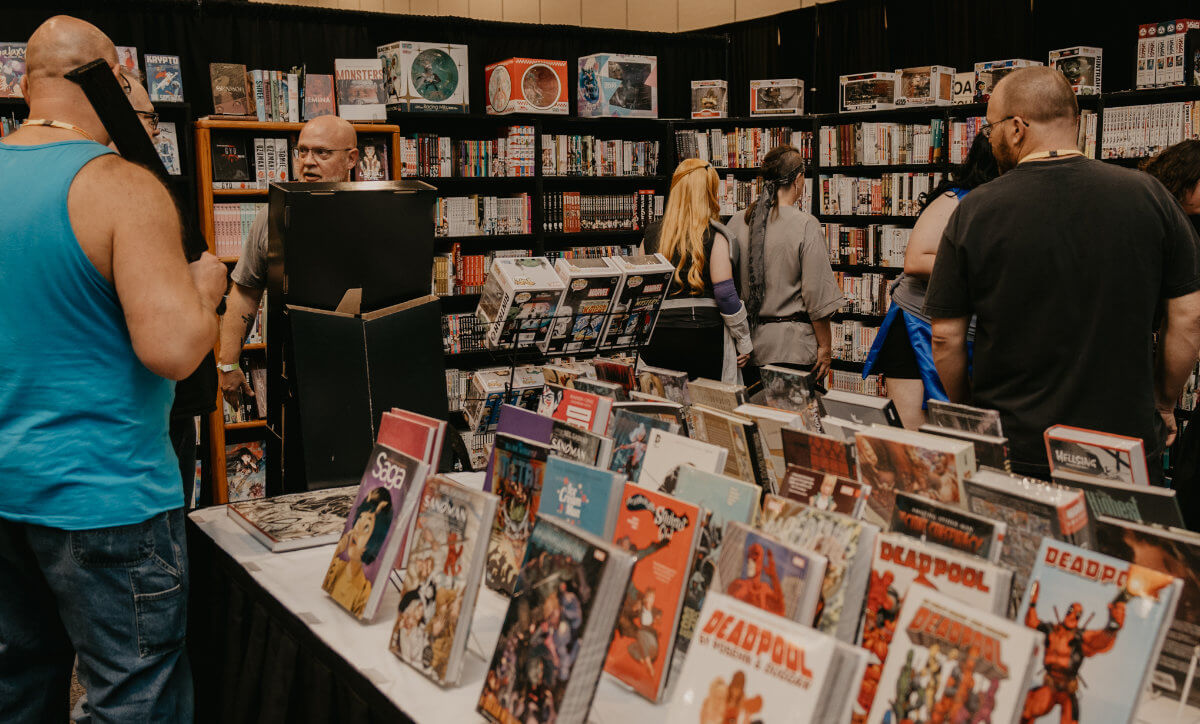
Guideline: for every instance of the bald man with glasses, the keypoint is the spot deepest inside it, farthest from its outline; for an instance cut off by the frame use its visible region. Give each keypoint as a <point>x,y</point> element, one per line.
<point>326,151</point>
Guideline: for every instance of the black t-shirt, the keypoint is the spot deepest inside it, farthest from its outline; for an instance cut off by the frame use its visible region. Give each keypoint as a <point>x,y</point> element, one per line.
<point>1066,264</point>
<point>692,317</point>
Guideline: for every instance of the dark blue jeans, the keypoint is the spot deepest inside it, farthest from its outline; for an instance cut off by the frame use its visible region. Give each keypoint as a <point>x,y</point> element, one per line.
<point>117,598</point>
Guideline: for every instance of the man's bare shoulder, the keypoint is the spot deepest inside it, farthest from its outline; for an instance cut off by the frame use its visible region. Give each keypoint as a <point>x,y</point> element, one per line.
<point>126,184</point>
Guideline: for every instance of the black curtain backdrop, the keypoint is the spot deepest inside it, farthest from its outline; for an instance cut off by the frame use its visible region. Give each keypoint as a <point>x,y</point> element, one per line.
<point>279,36</point>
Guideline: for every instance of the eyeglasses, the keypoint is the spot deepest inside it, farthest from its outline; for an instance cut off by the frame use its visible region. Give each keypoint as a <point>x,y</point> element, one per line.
<point>323,154</point>
<point>986,129</point>
<point>151,118</point>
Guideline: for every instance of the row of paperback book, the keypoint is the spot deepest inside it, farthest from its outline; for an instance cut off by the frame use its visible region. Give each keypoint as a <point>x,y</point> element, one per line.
<point>431,155</point>
<point>852,340</point>
<point>891,194</point>
<point>584,155</point>
<point>865,293</point>
<point>845,381</point>
<point>573,212</point>
<point>1142,131</point>
<point>867,144</point>
<point>872,245</point>
<point>736,195</point>
<point>739,147</point>
<point>241,163</point>
<point>231,226</point>
<point>642,535</point>
<point>479,215</point>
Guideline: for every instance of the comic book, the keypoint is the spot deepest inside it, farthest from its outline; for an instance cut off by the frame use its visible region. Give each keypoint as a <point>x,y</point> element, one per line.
<point>824,491</point>
<point>359,87</point>
<point>1176,553</point>
<point>667,451</point>
<point>1031,510</point>
<point>771,424</point>
<point>556,633</point>
<point>860,408</point>
<point>964,417</point>
<point>381,513</point>
<point>1101,623</point>
<point>576,407</point>
<point>318,96</point>
<point>232,89</point>
<point>662,532</point>
<point>1103,455</point>
<point>518,468</point>
<point>1137,503</point>
<point>892,460</point>
<point>766,572</point>
<point>747,459</point>
<point>721,499</point>
<point>846,543</point>
<point>989,450</point>
<point>725,396</point>
<point>582,446</point>
<point>669,384</point>
<point>631,436</point>
<point>12,69</point>
<point>245,470</point>
<point>604,388</point>
<point>747,665</point>
<point>897,564</point>
<point>164,79</point>
<point>581,495</point>
<point>789,389</point>
<point>953,663</point>
<point>817,451</point>
<point>616,370</point>
<point>167,145</point>
<point>442,574</point>
<point>948,526</point>
<point>296,520</point>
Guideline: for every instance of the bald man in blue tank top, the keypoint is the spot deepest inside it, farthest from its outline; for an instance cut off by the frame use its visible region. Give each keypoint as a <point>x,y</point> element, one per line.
<point>99,312</point>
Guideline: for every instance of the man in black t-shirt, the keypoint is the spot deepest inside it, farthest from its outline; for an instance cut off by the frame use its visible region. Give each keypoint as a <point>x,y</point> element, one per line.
<point>1069,265</point>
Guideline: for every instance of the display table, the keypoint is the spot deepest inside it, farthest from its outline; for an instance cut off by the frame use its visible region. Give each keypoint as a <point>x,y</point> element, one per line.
<point>268,645</point>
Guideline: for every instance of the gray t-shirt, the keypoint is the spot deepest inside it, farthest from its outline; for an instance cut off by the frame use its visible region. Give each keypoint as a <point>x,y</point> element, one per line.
<point>799,279</point>
<point>251,268</point>
<point>908,293</point>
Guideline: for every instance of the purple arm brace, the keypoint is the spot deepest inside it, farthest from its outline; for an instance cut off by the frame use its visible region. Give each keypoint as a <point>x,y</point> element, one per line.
<point>727,297</point>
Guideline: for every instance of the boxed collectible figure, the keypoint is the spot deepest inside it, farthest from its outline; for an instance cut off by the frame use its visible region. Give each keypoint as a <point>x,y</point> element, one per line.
<point>611,84</point>
<point>777,97</point>
<point>868,91</point>
<point>645,280</point>
<point>710,99</point>
<point>1081,66</point>
<point>926,85</point>
<point>989,73</point>
<point>526,85</point>
<point>425,76</point>
<point>1177,67</point>
<point>590,287</point>
<point>964,88</point>
<point>518,301</point>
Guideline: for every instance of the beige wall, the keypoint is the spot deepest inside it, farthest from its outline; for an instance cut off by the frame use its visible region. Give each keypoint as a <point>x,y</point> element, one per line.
<point>656,15</point>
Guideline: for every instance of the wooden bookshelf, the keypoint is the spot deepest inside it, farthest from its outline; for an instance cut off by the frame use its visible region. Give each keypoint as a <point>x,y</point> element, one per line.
<point>206,195</point>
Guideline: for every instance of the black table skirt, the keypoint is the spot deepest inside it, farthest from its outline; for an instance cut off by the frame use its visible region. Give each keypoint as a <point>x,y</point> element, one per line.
<point>255,661</point>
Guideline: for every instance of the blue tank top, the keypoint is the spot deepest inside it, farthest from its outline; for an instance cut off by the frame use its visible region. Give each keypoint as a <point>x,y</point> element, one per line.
<point>83,423</point>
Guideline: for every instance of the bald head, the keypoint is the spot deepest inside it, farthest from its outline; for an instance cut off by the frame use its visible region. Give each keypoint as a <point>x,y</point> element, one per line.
<point>333,130</point>
<point>1039,94</point>
<point>62,44</point>
<point>326,134</point>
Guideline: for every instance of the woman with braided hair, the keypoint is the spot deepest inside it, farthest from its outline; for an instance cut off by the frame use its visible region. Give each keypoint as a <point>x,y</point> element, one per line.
<point>702,301</point>
<point>783,269</point>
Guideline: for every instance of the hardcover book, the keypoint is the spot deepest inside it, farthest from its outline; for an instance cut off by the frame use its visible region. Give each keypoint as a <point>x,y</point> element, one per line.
<point>318,96</point>
<point>576,407</point>
<point>710,99</point>
<point>245,470</point>
<point>824,491</point>
<point>631,436</point>
<point>1087,452</point>
<point>518,469</point>
<point>297,520</point>
<point>789,389</point>
<point>771,423</point>
<point>645,280</point>
<point>519,301</point>
<point>527,85</point>
<point>989,450</point>
<point>229,159</point>
<point>413,434</point>
<point>954,416</point>
<point>848,545</point>
<point>380,515</point>
<point>901,566</point>
<point>1146,504</point>
<point>1176,553</point>
<point>232,89</point>
<point>590,285</point>
<point>667,451</point>
<point>954,661</point>
<point>12,69</point>
<point>578,445</point>
<point>611,84</point>
<point>948,526</point>
<point>442,574</point>
<point>891,460</point>
<point>568,594</point>
<point>581,495</point>
<point>820,452</point>
<point>668,384</point>
<point>164,81</point>
<point>662,532</point>
<point>859,408</point>
<point>359,86</point>
<point>768,573</point>
<point>747,459</point>
<point>777,97</point>
<point>721,499</point>
<point>1031,510</point>
<point>1101,623</point>
<point>747,665</point>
